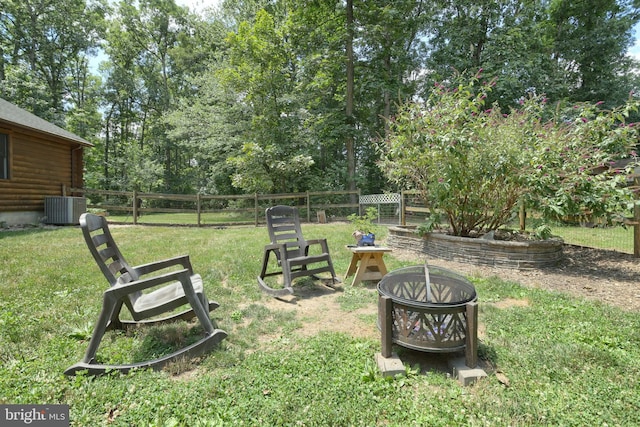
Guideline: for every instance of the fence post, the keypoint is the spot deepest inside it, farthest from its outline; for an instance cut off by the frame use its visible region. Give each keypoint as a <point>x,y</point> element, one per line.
<point>135,207</point>
<point>308,207</point>
<point>255,207</point>
<point>636,221</point>
<point>198,208</point>
<point>523,216</point>
<point>636,229</point>
<point>403,219</point>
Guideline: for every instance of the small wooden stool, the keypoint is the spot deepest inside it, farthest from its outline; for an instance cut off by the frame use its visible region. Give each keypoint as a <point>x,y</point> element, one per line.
<point>367,263</point>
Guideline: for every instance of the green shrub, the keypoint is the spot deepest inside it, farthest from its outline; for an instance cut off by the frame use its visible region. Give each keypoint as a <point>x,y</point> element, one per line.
<point>476,163</point>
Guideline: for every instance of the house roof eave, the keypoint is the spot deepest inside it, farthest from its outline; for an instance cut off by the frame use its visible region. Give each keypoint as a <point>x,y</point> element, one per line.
<point>14,115</point>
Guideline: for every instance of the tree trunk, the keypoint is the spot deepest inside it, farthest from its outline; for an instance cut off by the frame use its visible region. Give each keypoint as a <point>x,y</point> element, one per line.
<point>351,158</point>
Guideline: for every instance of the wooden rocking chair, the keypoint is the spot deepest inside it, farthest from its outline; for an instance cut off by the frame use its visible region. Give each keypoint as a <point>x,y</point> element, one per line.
<point>180,287</point>
<point>292,251</point>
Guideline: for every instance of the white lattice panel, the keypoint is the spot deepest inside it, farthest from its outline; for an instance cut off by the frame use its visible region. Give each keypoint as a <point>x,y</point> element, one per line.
<point>375,199</point>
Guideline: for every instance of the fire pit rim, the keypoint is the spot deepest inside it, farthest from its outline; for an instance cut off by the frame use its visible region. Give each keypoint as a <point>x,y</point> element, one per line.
<point>434,271</point>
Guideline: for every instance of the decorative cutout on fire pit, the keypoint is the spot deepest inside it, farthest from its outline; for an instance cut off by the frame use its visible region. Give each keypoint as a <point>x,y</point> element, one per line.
<point>429,309</point>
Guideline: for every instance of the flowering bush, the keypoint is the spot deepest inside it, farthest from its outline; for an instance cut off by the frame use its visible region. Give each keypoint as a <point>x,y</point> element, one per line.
<point>476,164</point>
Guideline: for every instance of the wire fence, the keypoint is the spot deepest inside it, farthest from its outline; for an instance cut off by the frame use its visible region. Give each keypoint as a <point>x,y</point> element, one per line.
<point>388,207</point>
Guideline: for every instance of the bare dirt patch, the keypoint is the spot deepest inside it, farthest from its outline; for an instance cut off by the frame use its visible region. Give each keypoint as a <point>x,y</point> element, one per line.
<point>511,302</point>
<point>607,276</point>
<point>318,308</point>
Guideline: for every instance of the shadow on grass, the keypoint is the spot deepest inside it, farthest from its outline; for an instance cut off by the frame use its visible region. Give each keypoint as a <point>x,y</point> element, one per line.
<point>28,230</point>
<point>430,362</point>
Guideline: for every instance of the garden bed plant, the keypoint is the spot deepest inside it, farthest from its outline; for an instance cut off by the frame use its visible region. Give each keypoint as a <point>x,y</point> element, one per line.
<point>477,163</point>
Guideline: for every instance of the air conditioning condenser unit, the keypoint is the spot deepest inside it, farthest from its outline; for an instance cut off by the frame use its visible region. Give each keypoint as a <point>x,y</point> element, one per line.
<point>63,210</point>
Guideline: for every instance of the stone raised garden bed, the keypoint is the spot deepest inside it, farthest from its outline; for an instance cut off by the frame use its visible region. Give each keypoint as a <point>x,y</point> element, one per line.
<point>478,251</point>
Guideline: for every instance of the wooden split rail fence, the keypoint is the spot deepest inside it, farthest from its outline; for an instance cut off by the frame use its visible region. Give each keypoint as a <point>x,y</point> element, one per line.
<point>337,204</point>
<point>251,205</point>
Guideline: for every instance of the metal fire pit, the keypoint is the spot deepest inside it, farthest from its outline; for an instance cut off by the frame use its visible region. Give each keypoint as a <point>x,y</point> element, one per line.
<point>434,312</point>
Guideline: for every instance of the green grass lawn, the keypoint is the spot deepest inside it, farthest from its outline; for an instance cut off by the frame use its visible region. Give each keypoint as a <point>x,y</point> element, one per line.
<point>569,361</point>
<point>614,238</point>
<point>206,218</point>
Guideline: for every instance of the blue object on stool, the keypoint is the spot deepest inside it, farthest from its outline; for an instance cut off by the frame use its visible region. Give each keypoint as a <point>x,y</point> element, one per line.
<point>367,240</point>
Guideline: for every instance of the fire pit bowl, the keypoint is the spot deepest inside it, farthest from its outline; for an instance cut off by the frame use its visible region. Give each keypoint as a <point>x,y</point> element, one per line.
<point>431,310</point>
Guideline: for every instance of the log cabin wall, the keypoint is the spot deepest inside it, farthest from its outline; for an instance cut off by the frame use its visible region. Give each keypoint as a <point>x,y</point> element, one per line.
<point>40,165</point>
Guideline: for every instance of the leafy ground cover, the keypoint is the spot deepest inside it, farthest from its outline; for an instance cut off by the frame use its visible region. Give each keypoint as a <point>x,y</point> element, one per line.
<point>552,359</point>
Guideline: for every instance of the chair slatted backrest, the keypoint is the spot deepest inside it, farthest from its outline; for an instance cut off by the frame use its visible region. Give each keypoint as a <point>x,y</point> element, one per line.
<point>113,265</point>
<point>283,223</point>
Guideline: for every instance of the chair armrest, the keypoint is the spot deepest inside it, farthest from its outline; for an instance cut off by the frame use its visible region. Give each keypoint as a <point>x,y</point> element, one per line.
<point>183,276</point>
<point>182,260</point>
<point>321,242</point>
<point>316,241</point>
<point>274,246</point>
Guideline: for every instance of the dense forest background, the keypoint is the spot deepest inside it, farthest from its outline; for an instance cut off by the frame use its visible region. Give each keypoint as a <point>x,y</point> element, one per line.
<point>274,96</point>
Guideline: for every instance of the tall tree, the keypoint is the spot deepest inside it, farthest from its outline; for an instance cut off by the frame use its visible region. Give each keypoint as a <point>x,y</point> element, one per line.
<point>389,42</point>
<point>590,40</point>
<point>206,121</point>
<point>142,85</point>
<point>318,34</point>
<point>349,99</point>
<point>262,71</point>
<point>567,50</point>
<point>45,39</point>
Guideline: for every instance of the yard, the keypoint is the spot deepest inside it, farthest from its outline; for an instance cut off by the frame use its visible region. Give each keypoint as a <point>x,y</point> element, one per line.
<point>561,346</point>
